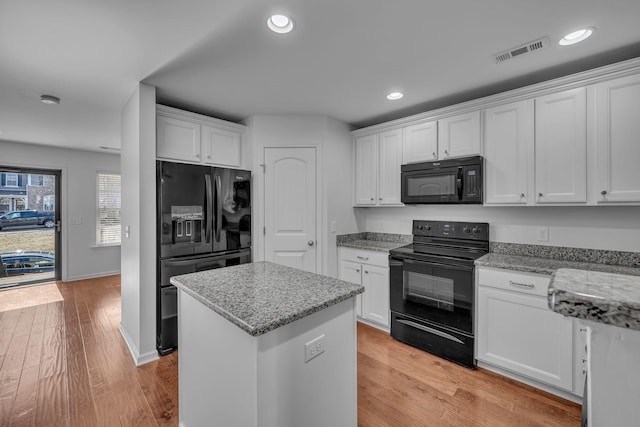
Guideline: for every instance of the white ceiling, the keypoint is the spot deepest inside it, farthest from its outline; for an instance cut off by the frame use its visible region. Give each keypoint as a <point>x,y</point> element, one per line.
<point>218,57</point>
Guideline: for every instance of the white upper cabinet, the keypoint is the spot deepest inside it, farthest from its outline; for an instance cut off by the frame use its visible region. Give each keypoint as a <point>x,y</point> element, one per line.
<point>561,147</point>
<point>618,141</point>
<point>508,153</point>
<point>378,159</point>
<point>366,170</point>
<point>459,136</point>
<point>390,160</point>
<point>194,138</point>
<point>220,147</point>
<point>177,139</point>
<point>420,142</point>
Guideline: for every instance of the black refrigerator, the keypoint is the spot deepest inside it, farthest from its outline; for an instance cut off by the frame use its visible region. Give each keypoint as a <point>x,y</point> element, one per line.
<point>204,222</point>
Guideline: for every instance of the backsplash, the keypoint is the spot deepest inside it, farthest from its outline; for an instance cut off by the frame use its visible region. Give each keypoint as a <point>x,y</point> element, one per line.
<point>562,253</point>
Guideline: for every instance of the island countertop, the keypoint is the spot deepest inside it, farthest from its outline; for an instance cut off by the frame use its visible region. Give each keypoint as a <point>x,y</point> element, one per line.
<point>609,298</point>
<point>260,297</point>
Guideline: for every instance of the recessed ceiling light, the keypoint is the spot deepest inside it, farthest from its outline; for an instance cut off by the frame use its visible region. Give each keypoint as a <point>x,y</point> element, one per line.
<point>577,36</point>
<point>280,24</point>
<point>49,99</point>
<point>393,96</point>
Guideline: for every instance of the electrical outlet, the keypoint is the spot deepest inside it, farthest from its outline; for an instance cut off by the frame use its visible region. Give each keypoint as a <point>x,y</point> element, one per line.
<point>334,226</point>
<point>314,348</point>
<point>542,234</point>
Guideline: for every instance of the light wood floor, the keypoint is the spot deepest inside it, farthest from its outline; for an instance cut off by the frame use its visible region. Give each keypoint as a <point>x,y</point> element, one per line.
<point>63,362</point>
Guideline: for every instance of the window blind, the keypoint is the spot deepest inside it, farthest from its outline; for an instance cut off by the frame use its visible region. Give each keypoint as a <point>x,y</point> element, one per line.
<point>108,224</point>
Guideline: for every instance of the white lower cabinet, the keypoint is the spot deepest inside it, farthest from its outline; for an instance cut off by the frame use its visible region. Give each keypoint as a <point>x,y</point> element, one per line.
<point>518,333</point>
<point>371,270</point>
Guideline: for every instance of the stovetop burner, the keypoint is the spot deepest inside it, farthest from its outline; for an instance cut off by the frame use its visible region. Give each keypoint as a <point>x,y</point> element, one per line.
<point>462,240</point>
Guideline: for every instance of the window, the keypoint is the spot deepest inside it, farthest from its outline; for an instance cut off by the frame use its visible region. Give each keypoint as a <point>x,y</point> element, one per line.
<point>36,180</point>
<point>108,228</point>
<point>49,203</point>
<point>12,179</point>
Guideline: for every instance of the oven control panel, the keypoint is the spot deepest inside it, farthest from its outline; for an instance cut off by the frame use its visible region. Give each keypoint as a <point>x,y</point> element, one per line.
<point>451,229</point>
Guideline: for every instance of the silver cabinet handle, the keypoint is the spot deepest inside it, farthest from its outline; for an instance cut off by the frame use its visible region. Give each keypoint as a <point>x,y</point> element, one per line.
<point>310,242</point>
<point>364,258</point>
<point>446,152</point>
<point>198,155</point>
<point>208,157</point>
<point>521,195</point>
<point>603,192</point>
<point>357,271</point>
<point>372,199</point>
<point>522,285</point>
<point>366,272</point>
<point>434,155</point>
<point>539,194</point>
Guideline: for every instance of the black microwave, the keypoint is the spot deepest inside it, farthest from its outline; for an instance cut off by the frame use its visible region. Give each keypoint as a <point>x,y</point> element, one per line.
<point>451,181</point>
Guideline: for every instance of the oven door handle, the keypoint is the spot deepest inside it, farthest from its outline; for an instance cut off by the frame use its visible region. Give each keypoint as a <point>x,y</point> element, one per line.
<point>430,330</point>
<point>437,264</point>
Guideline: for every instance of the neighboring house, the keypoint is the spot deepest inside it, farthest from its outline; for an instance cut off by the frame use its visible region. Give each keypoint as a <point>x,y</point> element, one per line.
<point>26,191</point>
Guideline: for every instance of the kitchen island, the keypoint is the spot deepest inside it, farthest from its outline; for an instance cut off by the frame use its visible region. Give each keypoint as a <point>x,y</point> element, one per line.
<point>266,345</point>
<point>608,306</point>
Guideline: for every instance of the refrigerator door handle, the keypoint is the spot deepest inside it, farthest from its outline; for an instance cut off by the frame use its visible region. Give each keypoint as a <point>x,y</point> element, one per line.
<point>218,208</point>
<point>208,210</point>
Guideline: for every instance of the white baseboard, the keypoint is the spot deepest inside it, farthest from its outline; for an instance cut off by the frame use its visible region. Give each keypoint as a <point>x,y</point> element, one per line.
<point>90,276</point>
<point>138,359</point>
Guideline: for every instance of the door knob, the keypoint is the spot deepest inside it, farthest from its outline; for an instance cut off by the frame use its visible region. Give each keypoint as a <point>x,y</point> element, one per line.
<point>310,242</point>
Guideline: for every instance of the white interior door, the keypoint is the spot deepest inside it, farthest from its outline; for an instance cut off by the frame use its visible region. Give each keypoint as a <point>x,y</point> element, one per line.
<point>290,207</point>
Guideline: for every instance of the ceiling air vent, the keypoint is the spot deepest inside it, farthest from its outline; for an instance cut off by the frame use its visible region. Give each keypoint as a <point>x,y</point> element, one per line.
<point>521,50</point>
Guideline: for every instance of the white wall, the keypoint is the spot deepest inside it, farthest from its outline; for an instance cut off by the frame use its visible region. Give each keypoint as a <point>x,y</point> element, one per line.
<point>338,194</point>
<point>332,141</point>
<point>593,227</point>
<point>138,280</point>
<point>81,258</point>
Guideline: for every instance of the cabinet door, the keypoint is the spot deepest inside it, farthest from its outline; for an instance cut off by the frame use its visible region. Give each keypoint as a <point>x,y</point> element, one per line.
<point>518,332</point>
<point>508,153</point>
<point>366,165</point>
<point>459,136</point>
<point>389,160</point>
<point>375,300</point>
<point>561,147</point>
<point>420,143</point>
<point>618,149</point>
<point>220,147</point>
<point>352,272</point>
<point>177,139</point>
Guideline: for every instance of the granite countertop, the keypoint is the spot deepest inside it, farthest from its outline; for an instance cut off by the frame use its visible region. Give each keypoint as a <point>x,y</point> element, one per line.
<point>531,264</point>
<point>260,297</point>
<point>547,259</point>
<point>609,298</point>
<point>380,242</point>
<point>595,284</point>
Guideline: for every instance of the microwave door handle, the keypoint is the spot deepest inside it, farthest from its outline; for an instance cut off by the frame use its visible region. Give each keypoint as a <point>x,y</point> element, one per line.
<point>459,183</point>
<point>207,207</point>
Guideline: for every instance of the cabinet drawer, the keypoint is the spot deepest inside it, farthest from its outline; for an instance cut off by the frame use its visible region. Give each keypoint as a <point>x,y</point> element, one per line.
<point>529,283</point>
<point>364,257</point>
